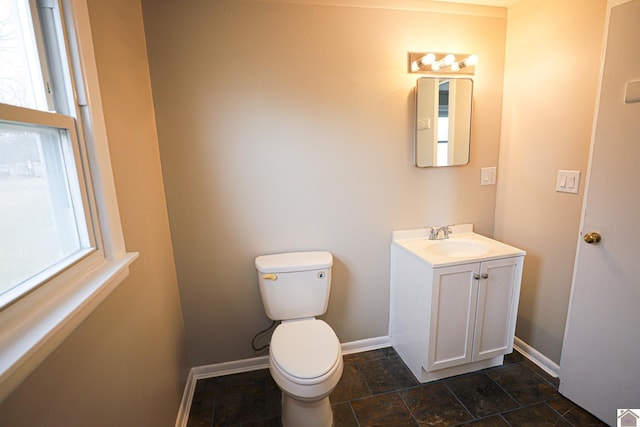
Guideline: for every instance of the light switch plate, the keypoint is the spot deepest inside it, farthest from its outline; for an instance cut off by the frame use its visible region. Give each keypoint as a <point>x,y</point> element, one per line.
<point>568,181</point>
<point>633,92</point>
<point>488,176</point>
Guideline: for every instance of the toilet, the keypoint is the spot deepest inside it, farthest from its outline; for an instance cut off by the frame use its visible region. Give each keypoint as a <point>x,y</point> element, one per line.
<point>305,357</point>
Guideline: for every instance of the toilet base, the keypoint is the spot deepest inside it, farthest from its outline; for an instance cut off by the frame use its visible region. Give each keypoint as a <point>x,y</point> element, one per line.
<point>296,413</point>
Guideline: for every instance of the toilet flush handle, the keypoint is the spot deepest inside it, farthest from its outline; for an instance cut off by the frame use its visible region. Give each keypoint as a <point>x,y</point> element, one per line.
<point>270,276</point>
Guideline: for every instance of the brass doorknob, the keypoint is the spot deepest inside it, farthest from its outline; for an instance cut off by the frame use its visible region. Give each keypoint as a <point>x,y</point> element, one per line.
<point>592,237</point>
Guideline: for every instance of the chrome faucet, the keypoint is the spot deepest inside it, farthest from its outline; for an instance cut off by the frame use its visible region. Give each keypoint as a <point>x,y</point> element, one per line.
<point>435,232</point>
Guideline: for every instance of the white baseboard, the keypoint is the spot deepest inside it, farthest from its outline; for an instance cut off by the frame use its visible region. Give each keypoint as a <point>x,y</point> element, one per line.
<point>366,345</point>
<point>187,398</point>
<point>543,362</point>
<point>253,364</point>
<point>228,368</point>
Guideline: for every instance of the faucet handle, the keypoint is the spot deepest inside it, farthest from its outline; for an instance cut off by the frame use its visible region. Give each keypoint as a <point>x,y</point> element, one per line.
<point>433,234</point>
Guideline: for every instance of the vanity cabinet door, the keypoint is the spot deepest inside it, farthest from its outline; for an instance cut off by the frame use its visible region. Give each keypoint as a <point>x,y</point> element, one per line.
<point>498,295</point>
<point>453,311</point>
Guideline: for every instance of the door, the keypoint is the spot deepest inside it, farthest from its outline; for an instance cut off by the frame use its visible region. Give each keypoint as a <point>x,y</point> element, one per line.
<point>453,311</point>
<point>498,295</point>
<point>599,368</point>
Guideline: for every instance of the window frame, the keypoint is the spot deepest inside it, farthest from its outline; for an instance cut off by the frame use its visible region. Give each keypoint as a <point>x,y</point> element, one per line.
<point>34,324</point>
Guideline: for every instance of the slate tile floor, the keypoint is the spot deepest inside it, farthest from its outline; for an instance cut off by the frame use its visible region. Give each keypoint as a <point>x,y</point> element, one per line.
<point>377,389</point>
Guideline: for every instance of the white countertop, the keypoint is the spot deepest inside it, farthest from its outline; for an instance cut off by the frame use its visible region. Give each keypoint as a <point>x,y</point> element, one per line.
<point>463,246</point>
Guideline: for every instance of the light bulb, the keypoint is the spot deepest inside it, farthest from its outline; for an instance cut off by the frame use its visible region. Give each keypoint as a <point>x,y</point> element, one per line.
<point>455,66</point>
<point>435,66</point>
<point>470,60</point>
<point>422,61</point>
<point>427,59</point>
<point>448,60</point>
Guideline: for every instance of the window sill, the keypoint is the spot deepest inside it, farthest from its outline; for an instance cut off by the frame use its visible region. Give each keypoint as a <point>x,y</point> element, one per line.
<point>34,326</point>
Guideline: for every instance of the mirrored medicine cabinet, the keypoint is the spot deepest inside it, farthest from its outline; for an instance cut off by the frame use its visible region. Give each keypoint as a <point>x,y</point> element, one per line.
<point>443,121</point>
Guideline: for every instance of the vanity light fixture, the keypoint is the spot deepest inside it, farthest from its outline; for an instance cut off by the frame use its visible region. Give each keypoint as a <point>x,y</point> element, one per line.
<point>442,63</point>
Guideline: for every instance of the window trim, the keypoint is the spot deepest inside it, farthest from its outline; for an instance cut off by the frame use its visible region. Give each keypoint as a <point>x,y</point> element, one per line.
<point>34,325</point>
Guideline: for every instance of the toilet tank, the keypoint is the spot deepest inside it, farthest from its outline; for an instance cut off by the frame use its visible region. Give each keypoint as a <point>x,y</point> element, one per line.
<point>294,285</point>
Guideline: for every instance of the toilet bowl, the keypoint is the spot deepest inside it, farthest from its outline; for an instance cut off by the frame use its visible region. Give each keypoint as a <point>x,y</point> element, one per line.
<point>306,363</point>
<point>305,357</point>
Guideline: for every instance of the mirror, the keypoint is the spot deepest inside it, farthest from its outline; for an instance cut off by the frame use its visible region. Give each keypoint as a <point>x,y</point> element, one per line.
<point>443,121</point>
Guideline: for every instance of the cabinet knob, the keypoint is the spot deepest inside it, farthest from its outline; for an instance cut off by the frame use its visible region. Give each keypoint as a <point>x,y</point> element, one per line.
<point>476,276</point>
<point>485,275</point>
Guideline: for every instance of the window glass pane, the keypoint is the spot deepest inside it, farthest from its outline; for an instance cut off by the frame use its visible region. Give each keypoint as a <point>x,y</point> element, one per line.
<point>21,75</point>
<point>41,212</point>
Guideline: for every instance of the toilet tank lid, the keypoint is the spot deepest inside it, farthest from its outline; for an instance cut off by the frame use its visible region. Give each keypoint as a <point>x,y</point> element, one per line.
<point>294,261</point>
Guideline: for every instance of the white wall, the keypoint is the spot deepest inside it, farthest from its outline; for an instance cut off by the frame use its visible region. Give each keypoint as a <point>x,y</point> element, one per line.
<point>287,127</point>
<point>551,72</point>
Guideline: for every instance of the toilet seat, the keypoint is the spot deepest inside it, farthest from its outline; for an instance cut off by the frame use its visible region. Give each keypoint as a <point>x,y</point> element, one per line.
<point>305,351</point>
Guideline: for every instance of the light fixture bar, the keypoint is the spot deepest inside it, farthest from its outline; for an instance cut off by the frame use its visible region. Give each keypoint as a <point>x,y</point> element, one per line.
<point>442,63</point>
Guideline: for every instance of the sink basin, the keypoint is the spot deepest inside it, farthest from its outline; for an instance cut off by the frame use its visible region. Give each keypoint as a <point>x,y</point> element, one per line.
<point>458,248</point>
<point>463,245</point>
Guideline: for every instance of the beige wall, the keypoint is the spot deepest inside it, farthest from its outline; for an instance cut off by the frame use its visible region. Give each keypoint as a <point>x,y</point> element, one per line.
<point>288,127</point>
<point>126,364</point>
<point>551,72</point>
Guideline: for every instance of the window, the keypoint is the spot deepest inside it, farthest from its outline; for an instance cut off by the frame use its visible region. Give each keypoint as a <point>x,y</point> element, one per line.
<point>42,217</point>
<point>45,216</point>
<point>61,244</point>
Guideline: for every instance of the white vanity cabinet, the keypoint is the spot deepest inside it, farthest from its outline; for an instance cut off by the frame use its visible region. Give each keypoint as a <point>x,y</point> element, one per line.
<point>453,316</point>
<point>473,311</point>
